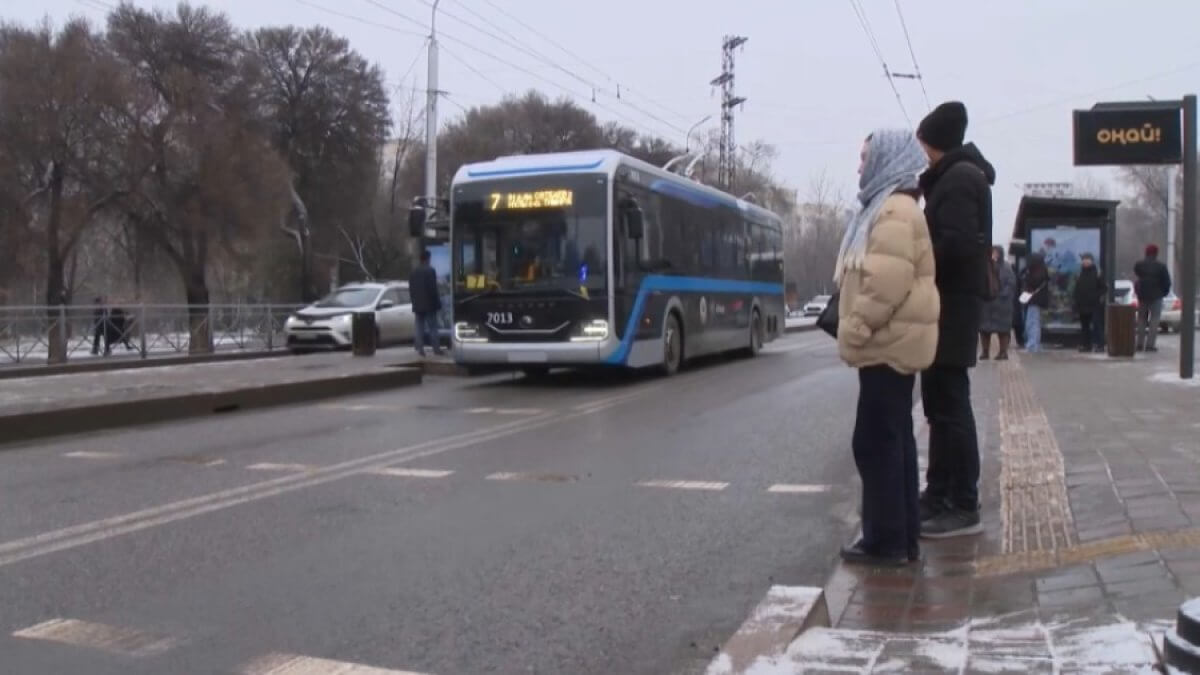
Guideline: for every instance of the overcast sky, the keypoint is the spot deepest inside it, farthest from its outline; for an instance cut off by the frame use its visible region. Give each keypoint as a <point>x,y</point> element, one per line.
<point>813,81</point>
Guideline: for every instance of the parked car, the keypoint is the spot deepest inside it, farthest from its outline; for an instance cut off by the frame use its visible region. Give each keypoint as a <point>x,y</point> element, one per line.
<point>1172,314</point>
<point>816,305</point>
<point>326,324</point>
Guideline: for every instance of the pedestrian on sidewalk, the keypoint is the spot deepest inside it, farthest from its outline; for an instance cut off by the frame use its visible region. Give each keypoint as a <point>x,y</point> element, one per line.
<point>426,302</point>
<point>887,329</point>
<point>100,327</point>
<point>1035,296</point>
<point>1152,285</point>
<point>958,207</point>
<point>998,312</point>
<point>1089,303</point>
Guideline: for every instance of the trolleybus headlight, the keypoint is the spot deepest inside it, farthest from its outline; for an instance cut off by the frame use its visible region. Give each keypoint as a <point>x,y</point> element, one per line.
<point>467,332</point>
<point>592,331</point>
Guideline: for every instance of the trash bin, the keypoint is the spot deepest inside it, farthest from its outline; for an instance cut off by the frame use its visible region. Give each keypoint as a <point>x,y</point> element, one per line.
<point>1120,328</point>
<point>363,333</point>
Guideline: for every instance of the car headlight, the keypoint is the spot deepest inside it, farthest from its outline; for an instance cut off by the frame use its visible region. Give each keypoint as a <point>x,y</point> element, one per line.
<point>468,332</point>
<point>343,319</point>
<point>592,331</point>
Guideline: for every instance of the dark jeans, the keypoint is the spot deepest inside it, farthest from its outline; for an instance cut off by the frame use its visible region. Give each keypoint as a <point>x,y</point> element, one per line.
<point>1091,328</point>
<point>885,452</point>
<point>953,474</point>
<point>427,333</point>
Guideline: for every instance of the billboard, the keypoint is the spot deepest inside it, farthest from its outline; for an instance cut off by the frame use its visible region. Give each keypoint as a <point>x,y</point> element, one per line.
<point>1127,134</point>
<point>1063,247</point>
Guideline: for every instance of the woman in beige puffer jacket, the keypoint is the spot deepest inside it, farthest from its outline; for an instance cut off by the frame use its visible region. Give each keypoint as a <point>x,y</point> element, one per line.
<point>888,314</point>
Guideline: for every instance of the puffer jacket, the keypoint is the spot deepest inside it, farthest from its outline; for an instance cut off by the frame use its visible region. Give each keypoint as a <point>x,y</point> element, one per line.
<point>888,308</point>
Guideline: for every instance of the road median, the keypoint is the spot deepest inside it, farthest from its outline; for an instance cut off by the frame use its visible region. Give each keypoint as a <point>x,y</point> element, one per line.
<point>46,407</point>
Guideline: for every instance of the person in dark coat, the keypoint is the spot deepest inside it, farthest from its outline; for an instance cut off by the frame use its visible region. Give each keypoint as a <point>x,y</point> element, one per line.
<point>958,207</point>
<point>998,312</point>
<point>100,327</point>
<point>426,302</point>
<point>1152,285</point>
<point>1035,283</point>
<point>1089,303</point>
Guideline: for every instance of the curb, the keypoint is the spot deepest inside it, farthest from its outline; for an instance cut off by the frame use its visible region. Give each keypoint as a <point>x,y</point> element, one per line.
<point>85,418</point>
<point>800,329</point>
<point>132,364</point>
<point>785,613</point>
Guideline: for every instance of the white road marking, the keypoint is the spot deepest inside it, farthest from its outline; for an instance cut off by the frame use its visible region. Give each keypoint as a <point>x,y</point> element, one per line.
<point>685,484</point>
<point>94,454</point>
<point>271,466</point>
<point>409,473</point>
<point>293,664</point>
<point>541,477</point>
<point>798,488</point>
<point>112,639</point>
<point>481,411</point>
<point>519,411</point>
<point>357,407</point>
<point>63,539</point>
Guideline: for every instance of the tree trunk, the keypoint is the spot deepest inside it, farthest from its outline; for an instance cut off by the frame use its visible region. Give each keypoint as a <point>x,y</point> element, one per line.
<point>199,326</point>
<point>56,333</point>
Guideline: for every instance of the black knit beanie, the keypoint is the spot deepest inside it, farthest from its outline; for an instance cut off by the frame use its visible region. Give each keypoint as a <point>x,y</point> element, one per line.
<point>945,127</point>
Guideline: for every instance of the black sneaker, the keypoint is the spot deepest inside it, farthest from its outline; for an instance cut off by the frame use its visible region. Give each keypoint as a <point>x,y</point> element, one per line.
<point>931,507</point>
<point>855,554</point>
<point>952,523</point>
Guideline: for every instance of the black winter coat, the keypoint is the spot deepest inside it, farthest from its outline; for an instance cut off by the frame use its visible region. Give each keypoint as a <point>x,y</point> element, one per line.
<point>1089,291</point>
<point>423,287</point>
<point>1037,282</point>
<point>958,208</point>
<point>1153,281</point>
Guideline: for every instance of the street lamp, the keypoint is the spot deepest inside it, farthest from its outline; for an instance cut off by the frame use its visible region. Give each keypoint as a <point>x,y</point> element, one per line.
<point>687,141</point>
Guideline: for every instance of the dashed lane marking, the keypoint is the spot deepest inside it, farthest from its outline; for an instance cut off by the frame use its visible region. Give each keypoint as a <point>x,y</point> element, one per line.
<point>112,639</point>
<point>294,664</point>
<point>271,466</point>
<point>714,486</point>
<point>796,488</point>
<point>409,473</point>
<point>506,411</point>
<point>94,454</point>
<point>542,477</point>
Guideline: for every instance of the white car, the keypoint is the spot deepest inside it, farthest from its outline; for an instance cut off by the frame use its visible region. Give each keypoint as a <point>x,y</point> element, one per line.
<point>326,324</point>
<point>1172,314</point>
<point>816,305</point>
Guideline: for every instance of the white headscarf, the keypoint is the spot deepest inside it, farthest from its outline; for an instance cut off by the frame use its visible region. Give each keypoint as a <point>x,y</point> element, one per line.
<point>894,160</point>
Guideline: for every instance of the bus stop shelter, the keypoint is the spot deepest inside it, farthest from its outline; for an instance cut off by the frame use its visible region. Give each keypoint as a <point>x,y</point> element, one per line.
<point>1063,230</point>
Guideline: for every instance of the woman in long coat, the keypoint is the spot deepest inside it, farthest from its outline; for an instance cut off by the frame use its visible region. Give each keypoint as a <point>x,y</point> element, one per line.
<point>998,313</point>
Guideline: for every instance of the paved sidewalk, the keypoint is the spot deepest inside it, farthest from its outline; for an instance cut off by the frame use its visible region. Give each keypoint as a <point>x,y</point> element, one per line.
<point>1091,494</point>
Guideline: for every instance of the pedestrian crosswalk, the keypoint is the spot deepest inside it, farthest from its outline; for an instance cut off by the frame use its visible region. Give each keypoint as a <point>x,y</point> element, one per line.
<point>135,644</point>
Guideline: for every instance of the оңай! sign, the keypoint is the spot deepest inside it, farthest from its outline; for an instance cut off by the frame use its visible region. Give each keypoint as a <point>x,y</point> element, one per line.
<point>1125,134</point>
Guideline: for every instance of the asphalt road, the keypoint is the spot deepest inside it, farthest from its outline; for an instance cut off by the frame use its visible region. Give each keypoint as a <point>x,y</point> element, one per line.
<point>577,525</point>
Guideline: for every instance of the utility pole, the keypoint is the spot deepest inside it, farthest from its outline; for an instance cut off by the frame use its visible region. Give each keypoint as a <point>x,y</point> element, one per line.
<point>728,154</point>
<point>431,95</point>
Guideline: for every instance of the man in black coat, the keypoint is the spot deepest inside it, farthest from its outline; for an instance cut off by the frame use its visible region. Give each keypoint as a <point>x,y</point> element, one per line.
<point>1152,285</point>
<point>1090,293</point>
<point>426,302</point>
<point>958,208</point>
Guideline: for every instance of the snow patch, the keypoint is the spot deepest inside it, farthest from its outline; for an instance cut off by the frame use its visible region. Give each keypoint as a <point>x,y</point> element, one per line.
<point>1172,377</point>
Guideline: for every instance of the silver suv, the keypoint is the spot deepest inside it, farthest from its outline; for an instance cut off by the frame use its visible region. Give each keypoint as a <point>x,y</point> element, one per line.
<point>326,324</point>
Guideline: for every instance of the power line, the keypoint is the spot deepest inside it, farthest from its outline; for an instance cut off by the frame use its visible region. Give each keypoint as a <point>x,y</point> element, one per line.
<point>913,54</point>
<point>866,26</point>
<point>467,64</point>
<point>483,52</point>
<point>513,43</point>
<point>578,58</point>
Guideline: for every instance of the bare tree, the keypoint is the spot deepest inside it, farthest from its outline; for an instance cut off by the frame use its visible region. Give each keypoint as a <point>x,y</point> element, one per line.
<point>203,174</point>
<point>59,90</point>
<point>814,237</point>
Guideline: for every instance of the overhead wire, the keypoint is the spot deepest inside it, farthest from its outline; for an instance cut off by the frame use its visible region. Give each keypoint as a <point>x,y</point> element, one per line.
<point>514,43</point>
<point>483,52</point>
<point>865,22</point>
<point>554,43</point>
<point>911,52</point>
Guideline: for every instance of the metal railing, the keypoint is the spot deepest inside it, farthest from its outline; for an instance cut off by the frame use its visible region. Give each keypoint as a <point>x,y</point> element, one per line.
<point>145,331</point>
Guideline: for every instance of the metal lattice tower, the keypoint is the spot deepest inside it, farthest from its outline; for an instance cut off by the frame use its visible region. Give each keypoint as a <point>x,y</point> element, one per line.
<point>728,150</point>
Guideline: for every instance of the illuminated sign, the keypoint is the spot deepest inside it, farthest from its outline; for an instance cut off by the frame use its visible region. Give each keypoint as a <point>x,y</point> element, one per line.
<point>537,199</point>
<point>1128,134</point>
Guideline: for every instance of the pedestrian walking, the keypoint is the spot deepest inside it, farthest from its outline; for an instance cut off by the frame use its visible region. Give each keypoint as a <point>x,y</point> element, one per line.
<point>100,327</point>
<point>1152,285</point>
<point>1035,297</point>
<point>998,312</point>
<point>1089,297</point>
<point>426,302</point>
<point>958,207</point>
<point>887,329</point>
